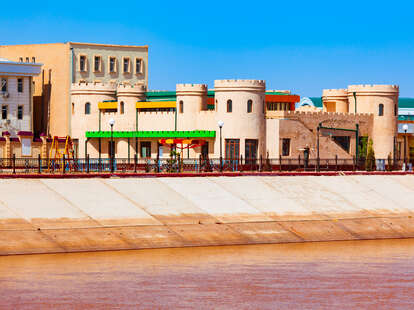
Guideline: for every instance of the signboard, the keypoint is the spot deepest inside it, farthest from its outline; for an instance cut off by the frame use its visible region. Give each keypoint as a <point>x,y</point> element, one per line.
<point>26,147</point>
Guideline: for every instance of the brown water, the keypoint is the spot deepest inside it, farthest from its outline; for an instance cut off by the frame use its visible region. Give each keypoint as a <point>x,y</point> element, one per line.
<point>332,275</point>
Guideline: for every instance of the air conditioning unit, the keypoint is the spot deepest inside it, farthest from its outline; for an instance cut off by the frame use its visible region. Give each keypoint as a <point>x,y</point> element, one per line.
<point>5,94</point>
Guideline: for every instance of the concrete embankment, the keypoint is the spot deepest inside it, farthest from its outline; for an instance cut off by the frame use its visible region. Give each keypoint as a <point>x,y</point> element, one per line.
<point>68,215</point>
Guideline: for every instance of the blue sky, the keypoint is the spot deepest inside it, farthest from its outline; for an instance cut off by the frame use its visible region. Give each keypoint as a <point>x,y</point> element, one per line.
<point>303,46</point>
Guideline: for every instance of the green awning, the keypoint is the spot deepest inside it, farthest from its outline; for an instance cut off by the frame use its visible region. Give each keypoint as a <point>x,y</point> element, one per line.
<point>152,134</point>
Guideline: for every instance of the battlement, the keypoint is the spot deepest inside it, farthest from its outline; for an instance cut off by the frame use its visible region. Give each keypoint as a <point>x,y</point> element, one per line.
<point>131,90</point>
<point>373,88</point>
<point>316,114</point>
<point>234,84</point>
<point>341,92</point>
<point>191,87</point>
<point>93,88</point>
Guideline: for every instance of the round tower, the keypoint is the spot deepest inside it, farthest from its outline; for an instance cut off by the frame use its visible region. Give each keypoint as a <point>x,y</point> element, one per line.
<point>190,101</point>
<point>382,102</point>
<point>85,98</point>
<point>128,95</point>
<point>240,105</point>
<point>335,100</point>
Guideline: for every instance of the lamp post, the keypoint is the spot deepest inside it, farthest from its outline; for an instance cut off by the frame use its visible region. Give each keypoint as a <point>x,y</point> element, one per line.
<point>405,128</point>
<point>318,167</point>
<point>220,124</point>
<point>111,123</point>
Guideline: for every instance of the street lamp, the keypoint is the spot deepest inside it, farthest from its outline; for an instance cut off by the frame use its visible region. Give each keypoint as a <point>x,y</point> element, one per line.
<point>405,128</point>
<point>111,123</point>
<point>220,124</point>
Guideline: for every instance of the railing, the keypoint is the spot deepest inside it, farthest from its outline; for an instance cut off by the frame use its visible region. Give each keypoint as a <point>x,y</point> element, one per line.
<point>196,165</point>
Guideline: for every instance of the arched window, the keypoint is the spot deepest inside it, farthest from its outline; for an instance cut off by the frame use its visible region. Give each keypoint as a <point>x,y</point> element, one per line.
<point>87,108</point>
<point>381,110</point>
<point>395,110</point>
<point>249,106</point>
<point>181,106</point>
<point>229,106</point>
<point>122,107</point>
<point>73,108</point>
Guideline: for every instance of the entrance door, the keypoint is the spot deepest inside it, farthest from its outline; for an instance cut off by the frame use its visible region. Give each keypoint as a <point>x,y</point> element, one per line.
<point>251,149</point>
<point>145,149</point>
<point>204,151</point>
<point>232,148</point>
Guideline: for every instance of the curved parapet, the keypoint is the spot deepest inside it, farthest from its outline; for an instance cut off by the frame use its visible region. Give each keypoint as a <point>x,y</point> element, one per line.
<point>377,89</point>
<point>335,100</point>
<point>93,89</point>
<point>191,89</point>
<point>237,85</point>
<point>126,90</point>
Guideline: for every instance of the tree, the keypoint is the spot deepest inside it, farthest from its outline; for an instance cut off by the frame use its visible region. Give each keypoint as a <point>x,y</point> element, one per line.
<point>370,159</point>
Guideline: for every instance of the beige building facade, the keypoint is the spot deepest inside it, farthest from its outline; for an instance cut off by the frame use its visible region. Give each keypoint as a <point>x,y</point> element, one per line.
<point>256,122</point>
<point>70,62</point>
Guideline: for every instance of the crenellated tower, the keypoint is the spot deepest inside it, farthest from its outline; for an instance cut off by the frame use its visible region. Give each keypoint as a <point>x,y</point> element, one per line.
<point>191,98</point>
<point>335,100</point>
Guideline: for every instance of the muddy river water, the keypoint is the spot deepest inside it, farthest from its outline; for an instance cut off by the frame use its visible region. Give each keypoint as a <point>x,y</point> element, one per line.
<point>327,275</point>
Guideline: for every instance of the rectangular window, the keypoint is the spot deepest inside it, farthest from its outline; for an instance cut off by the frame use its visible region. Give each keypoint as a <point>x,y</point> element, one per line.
<point>26,147</point>
<point>20,112</point>
<point>4,110</point>
<point>232,148</point>
<point>19,85</point>
<point>229,106</point>
<point>285,147</point>
<point>112,64</point>
<point>145,149</point>
<point>181,107</point>
<point>249,106</point>
<point>21,59</point>
<point>126,65</point>
<point>3,84</point>
<point>138,66</point>
<point>82,63</point>
<point>33,59</point>
<point>27,59</point>
<point>97,60</point>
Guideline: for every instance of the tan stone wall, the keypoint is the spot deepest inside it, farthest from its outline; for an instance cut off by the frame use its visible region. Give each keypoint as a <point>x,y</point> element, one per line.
<point>55,71</point>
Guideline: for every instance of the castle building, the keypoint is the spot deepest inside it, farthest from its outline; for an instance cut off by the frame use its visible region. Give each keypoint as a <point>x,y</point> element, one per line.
<point>70,62</point>
<point>256,122</point>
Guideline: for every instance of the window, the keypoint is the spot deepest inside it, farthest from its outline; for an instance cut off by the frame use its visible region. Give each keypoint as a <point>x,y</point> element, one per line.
<point>87,108</point>
<point>20,112</point>
<point>33,59</point>
<point>82,63</point>
<point>3,84</point>
<point>381,110</point>
<point>112,64</point>
<point>232,148</point>
<point>27,59</point>
<point>4,109</point>
<point>229,106</point>
<point>122,107</point>
<point>181,107</point>
<point>343,141</point>
<point>73,108</point>
<point>138,66</point>
<point>126,64</point>
<point>285,147</point>
<point>395,110</point>
<point>26,147</point>
<point>249,106</point>
<point>19,85</point>
<point>21,59</point>
<point>145,149</point>
<point>97,61</point>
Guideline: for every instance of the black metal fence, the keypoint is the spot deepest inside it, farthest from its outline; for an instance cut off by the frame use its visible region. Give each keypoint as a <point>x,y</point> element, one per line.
<point>198,165</point>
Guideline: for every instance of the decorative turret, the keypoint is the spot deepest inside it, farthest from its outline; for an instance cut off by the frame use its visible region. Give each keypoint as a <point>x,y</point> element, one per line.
<point>382,102</point>
<point>250,85</point>
<point>335,100</point>
<point>191,98</point>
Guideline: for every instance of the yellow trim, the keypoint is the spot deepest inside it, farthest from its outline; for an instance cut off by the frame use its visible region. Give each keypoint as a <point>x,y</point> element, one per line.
<point>108,105</point>
<point>156,104</point>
